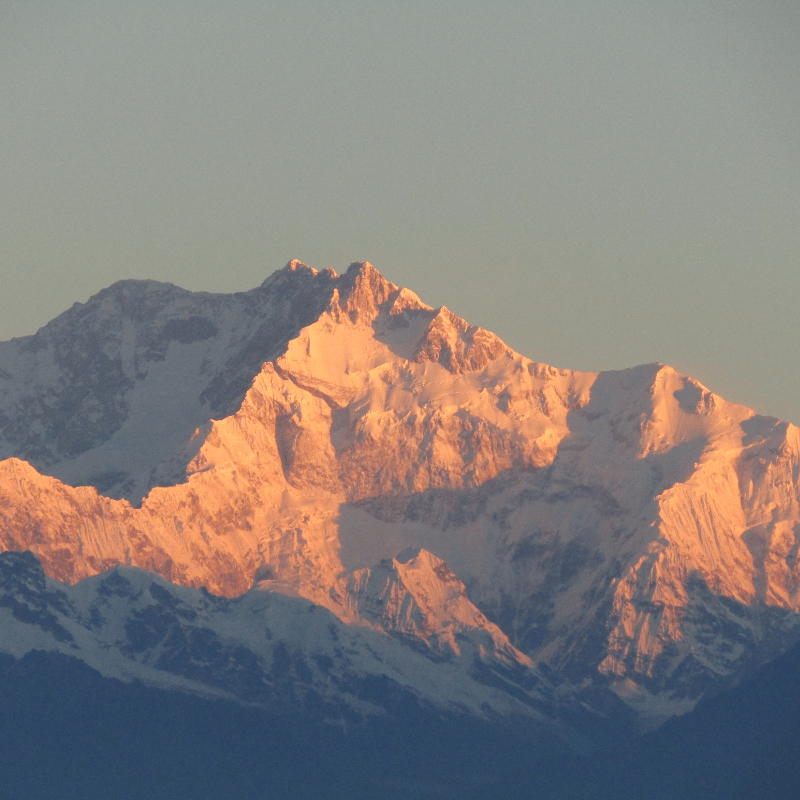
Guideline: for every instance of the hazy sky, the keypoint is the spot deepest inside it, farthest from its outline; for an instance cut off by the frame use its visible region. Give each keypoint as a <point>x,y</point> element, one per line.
<point>601,183</point>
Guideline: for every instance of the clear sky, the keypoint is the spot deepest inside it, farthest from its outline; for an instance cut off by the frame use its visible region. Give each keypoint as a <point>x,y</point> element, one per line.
<point>601,183</point>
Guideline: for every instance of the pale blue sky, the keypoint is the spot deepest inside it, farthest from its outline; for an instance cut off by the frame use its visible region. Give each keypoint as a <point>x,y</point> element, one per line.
<point>603,184</point>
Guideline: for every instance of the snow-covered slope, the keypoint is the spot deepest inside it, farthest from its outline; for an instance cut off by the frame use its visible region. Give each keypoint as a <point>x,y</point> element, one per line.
<point>625,527</point>
<point>110,393</point>
<point>262,648</point>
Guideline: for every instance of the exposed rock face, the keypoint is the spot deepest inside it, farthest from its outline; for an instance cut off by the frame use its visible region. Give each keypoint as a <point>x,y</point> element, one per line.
<point>417,595</point>
<point>629,527</point>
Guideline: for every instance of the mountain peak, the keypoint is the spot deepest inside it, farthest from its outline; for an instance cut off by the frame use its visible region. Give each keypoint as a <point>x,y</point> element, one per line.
<point>360,266</point>
<point>409,554</point>
<point>457,345</point>
<point>295,265</point>
<point>416,594</point>
<point>362,290</point>
<point>300,276</point>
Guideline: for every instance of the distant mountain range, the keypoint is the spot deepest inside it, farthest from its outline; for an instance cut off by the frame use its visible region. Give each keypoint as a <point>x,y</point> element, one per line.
<point>327,502</point>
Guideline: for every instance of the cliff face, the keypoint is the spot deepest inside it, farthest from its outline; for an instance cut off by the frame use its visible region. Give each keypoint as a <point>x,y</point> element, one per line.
<point>629,527</point>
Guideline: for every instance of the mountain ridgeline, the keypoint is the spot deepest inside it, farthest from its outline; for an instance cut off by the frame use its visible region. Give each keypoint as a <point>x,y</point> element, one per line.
<point>450,508</point>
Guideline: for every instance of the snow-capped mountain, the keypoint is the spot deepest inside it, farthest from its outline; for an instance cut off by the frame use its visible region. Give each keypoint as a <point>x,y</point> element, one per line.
<point>628,528</point>
<point>269,650</point>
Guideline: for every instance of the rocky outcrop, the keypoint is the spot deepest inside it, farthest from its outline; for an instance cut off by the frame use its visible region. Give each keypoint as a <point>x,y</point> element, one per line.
<point>416,595</point>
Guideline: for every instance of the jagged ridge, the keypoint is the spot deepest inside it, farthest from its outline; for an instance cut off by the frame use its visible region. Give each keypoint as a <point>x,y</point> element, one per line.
<point>262,649</point>
<point>627,524</point>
